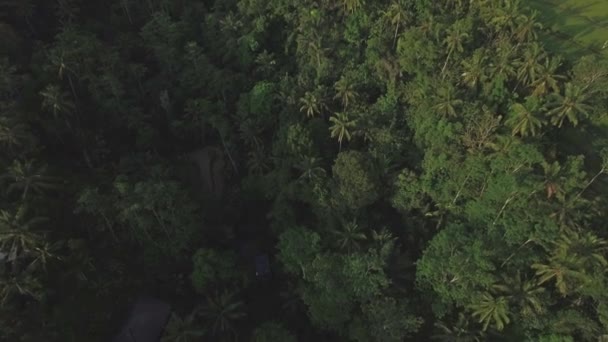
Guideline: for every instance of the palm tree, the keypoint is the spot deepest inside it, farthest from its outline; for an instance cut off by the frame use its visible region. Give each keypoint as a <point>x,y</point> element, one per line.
<point>23,284</point>
<point>57,101</point>
<point>492,310</point>
<point>458,332</point>
<point>183,329</point>
<point>589,248</point>
<point>527,27</point>
<point>547,78</point>
<point>571,105</point>
<point>454,42</point>
<point>257,160</point>
<point>503,68</point>
<point>345,92</point>
<point>447,102</point>
<point>524,117</point>
<point>310,104</point>
<point>350,6</point>
<point>12,133</point>
<point>522,292</point>
<point>309,166</point>
<point>350,235</point>
<point>26,177</point>
<point>505,17</point>
<point>474,69</point>
<point>340,128</point>
<point>222,311</point>
<point>565,270</point>
<point>18,235</point>
<point>398,16</point>
<point>529,67</point>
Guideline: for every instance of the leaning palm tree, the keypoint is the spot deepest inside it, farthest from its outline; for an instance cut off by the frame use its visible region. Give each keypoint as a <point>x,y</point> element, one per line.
<point>454,43</point>
<point>26,177</point>
<point>571,105</point>
<point>223,311</point>
<point>490,309</point>
<point>524,118</point>
<point>398,16</point>
<point>341,127</point>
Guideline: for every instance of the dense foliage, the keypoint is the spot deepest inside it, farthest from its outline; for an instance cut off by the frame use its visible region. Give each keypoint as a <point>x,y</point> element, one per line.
<point>414,170</point>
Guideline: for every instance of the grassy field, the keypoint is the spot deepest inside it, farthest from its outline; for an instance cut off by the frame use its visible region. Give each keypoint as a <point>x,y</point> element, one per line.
<point>577,27</point>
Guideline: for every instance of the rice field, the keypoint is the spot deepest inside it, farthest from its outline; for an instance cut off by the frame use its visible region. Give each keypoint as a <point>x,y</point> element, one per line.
<point>575,27</point>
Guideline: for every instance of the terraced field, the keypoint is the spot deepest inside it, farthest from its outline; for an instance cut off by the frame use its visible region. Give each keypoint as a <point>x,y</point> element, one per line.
<point>575,27</point>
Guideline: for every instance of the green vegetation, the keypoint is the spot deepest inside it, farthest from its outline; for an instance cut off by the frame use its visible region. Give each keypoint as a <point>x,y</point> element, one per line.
<point>412,170</point>
<point>574,27</point>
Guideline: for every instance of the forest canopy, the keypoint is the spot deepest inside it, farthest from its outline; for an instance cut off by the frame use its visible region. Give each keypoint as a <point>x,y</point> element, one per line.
<point>300,170</point>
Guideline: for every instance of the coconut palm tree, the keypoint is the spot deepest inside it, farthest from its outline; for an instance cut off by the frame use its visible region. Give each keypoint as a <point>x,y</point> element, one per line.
<point>571,105</point>
<point>223,310</point>
<point>587,246</point>
<point>341,127</point>
<point>529,66</point>
<point>503,65</point>
<point>474,69</point>
<point>27,177</point>
<point>18,234</point>
<point>522,292</point>
<point>13,133</point>
<point>257,160</point>
<point>564,270</point>
<point>56,101</point>
<point>524,118</point>
<point>350,6</point>
<point>506,15</point>
<point>349,236</point>
<point>310,104</point>
<point>183,329</point>
<point>491,310</point>
<point>398,16</point>
<point>23,284</point>
<point>458,332</point>
<point>547,77</point>
<point>526,28</point>
<point>345,91</point>
<point>447,101</point>
<point>310,168</point>
<point>454,42</point>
